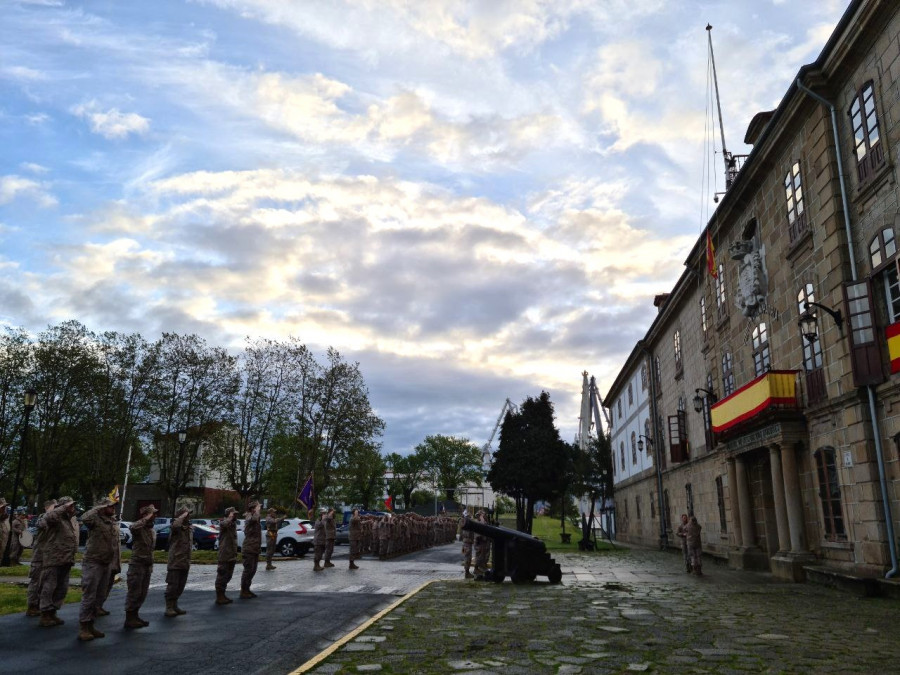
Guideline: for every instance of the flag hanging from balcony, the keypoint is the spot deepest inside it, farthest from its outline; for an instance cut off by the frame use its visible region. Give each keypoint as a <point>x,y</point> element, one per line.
<point>711,256</point>
<point>893,340</point>
<point>307,496</point>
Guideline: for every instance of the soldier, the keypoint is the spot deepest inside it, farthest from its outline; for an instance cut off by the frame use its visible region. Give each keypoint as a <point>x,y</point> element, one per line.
<point>330,536</point>
<point>4,526</point>
<point>60,541</point>
<point>181,539</point>
<point>17,527</point>
<point>694,546</point>
<point>227,554</point>
<point>95,568</point>
<point>318,539</point>
<point>34,572</point>
<point>251,548</point>
<point>140,567</point>
<point>115,567</point>
<point>468,538</point>
<point>482,550</point>
<point>354,532</point>
<point>273,519</point>
<point>681,532</point>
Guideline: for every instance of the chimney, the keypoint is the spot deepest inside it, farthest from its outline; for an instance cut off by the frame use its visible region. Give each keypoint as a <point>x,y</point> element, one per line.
<point>660,300</point>
<point>757,125</point>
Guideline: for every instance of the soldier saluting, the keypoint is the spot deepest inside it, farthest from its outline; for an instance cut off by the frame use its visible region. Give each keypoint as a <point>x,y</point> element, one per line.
<point>60,541</point>
<point>181,537</point>
<point>251,548</point>
<point>227,557</point>
<point>141,566</point>
<point>273,519</point>
<point>103,532</point>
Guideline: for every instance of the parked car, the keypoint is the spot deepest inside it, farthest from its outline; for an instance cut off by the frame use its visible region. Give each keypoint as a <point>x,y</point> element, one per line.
<point>213,524</point>
<point>160,523</point>
<point>342,535</point>
<point>124,532</point>
<point>294,538</point>
<point>204,538</point>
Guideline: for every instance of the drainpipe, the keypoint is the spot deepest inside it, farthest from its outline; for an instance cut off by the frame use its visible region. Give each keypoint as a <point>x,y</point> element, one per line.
<point>663,534</point>
<point>870,390</point>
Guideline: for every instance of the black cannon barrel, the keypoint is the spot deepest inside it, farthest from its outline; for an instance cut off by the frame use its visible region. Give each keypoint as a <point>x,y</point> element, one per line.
<point>516,554</point>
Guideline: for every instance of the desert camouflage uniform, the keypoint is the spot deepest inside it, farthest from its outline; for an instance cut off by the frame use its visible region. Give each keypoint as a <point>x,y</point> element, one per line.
<point>250,550</point>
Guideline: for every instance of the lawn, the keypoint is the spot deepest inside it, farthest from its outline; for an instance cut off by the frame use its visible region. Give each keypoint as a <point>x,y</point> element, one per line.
<point>14,599</point>
<point>22,571</point>
<point>549,530</point>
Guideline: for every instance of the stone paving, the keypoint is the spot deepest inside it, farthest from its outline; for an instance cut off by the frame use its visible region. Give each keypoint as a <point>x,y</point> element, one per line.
<point>628,611</point>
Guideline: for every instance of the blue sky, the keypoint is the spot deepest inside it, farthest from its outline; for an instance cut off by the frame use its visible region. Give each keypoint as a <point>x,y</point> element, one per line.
<point>475,200</point>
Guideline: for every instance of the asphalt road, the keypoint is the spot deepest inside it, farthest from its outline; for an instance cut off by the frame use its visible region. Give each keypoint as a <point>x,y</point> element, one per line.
<point>297,614</point>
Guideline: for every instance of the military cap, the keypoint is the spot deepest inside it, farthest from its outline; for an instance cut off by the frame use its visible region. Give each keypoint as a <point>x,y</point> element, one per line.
<point>149,509</point>
<point>50,502</point>
<point>272,510</point>
<point>65,501</point>
<point>106,501</point>
<point>252,505</point>
<point>230,509</point>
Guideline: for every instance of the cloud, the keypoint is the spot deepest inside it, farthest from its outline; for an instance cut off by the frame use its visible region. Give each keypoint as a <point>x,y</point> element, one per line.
<point>112,124</point>
<point>31,167</point>
<point>13,187</point>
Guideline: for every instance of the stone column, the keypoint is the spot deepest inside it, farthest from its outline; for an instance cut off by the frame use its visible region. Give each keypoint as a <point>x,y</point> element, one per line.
<point>735,507</point>
<point>744,503</point>
<point>781,518</point>
<point>793,500</point>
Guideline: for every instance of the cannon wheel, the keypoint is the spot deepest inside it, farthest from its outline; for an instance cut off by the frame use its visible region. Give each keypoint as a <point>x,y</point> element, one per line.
<point>496,576</point>
<point>522,577</point>
<point>555,575</point>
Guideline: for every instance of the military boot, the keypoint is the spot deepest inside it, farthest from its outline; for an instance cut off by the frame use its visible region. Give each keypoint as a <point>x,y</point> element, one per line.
<point>328,563</point>
<point>318,568</point>
<point>469,575</point>
<point>138,617</point>
<point>269,567</point>
<point>85,634</point>
<point>222,599</point>
<point>96,633</point>
<point>101,612</point>
<point>178,609</point>
<point>247,594</point>
<point>47,620</point>
<point>132,620</point>
<point>33,611</point>
<point>353,565</point>
<point>56,620</point>
<point>170,608</point>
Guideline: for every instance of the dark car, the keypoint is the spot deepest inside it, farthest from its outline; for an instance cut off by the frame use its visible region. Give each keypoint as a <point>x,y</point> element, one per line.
<point>204,538</point>
<point>342,534</point>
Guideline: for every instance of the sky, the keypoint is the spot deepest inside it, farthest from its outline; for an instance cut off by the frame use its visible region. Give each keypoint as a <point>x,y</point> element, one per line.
<point>475,201</point>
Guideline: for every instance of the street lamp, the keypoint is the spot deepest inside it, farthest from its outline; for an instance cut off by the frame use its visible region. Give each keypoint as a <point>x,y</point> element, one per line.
<point>30,401</point>
<point>809,322</point>
<point>700,400</point>
<point>182,437</point>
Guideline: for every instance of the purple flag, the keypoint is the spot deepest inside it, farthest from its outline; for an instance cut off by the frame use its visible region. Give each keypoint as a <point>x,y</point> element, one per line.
<point>307,496</point>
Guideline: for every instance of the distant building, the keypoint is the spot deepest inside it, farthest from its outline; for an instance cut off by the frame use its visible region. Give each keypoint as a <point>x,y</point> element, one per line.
<point>776,420</point>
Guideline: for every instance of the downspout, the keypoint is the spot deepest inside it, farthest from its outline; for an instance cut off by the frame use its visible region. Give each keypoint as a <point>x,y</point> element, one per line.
<point>663,534</point>
<point>870,390</point>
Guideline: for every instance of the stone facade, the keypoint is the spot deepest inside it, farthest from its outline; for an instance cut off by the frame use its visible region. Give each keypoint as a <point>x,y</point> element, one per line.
<point>796,480</point>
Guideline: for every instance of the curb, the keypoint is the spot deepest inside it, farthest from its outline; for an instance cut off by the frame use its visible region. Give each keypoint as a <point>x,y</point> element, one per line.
<point>324,654</point>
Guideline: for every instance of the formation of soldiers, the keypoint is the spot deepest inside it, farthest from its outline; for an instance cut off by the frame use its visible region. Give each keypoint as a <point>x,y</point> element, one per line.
<point>10,532</point>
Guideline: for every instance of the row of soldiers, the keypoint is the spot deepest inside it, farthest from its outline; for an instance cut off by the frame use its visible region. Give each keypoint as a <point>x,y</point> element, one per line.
<point>10,532</point>
<point>481,545</point>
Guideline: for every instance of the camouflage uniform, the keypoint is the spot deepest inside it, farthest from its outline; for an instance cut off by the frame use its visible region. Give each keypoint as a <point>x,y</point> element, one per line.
<point>319,542</point>
<point>15,546</point>
<point>143,538</point>
<point>354,532</point>
<point>468,539</point>
<point>694,546</point>
<point>60,541</point>
<point>681,533</point>
<point>330,536</point>
<point>271,537</point>
<point>482,551</point>
<point>34,571</point>
<point>227,557</point>
<point>103,532</point>
<point>181,539</point>
<point>250,549</point>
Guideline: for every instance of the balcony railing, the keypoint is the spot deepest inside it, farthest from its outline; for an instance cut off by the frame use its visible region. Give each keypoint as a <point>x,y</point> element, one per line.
<point>774,389</point>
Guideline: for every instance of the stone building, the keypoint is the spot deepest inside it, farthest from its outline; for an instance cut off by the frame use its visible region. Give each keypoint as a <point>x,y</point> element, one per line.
<point>773,407</point>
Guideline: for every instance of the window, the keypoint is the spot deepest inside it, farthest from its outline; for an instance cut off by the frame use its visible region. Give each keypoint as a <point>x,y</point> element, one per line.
<point>622,454</point>
<point>626,508</point>
<point>703,322</point>
<point>762,361</point>
<point>677,344</point>
<point>668,510</point>
<point>643,377</point>
<point>647,433</point>
<point>633,448</point>
<point>882,251</point>
<point>652,506</point>
<point>689,496</point>
<point>619,408</point>
<point>721,300</point>
<point>708,401</point>
<point>727,374</point>
<point>658,377</point>
<point>865,357</point>
<point>720,499</point>
<point>678,446</point>
<point>661,440</point>
<point>637,506</point>
<point>830,494</point>
<point>630,394</point>
<point>866,135</point>
<point>793,193</point>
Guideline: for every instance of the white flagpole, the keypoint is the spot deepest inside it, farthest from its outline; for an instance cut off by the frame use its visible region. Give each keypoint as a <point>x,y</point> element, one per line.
<point>125,482</point>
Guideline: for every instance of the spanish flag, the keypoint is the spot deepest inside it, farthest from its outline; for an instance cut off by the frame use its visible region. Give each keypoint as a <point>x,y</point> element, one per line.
<point>114,495</point>
<point>893,340</point>
<point>711,256</point>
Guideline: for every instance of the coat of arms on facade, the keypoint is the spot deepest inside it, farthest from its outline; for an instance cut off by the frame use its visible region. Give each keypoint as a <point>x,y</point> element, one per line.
<point>753,284</point>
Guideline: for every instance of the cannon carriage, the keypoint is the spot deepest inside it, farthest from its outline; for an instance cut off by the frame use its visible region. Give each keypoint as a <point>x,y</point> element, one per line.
<point>517,555</point>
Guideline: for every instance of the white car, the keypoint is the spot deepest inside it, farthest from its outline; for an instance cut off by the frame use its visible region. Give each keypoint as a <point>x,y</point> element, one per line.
<point>124,532</point>
<point>294,538</point>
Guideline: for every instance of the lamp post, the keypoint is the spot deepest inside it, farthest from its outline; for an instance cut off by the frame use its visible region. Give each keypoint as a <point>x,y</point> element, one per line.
<point>699,400</point>
<point>30,401</point>
<point>808,321</point>
<point>663,534</point>
<point>182,437</point>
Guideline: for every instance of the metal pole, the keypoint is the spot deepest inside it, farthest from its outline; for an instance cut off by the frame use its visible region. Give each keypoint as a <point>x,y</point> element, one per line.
<point>125,482</point>
<point>716,83</point>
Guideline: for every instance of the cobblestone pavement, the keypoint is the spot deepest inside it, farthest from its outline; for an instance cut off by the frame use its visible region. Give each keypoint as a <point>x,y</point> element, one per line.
<point>628,611</point>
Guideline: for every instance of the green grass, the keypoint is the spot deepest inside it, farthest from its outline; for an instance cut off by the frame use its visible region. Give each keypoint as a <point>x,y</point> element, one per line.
<point>549,530</point>
<point>22,571</point>
<point>14,599</point>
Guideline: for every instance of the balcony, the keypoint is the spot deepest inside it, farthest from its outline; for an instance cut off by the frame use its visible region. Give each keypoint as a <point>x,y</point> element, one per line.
<point>775,390</point>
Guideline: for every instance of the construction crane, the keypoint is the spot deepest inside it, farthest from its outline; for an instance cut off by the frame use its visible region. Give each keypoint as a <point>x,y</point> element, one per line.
<point>486,459</point>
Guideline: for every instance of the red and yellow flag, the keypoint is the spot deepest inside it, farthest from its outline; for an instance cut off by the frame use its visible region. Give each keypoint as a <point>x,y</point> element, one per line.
<point>114,495</point>
<point>893,341</point>
<point>711,256</point>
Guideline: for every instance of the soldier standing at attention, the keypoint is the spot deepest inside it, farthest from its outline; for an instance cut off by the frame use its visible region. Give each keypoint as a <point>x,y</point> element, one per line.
<point>18,525</point>
<point>330,536</point>
<point>354,532</point>
<point>251,548</point>
<point>468,538</point>
<point>60,541</point>
<point>318,539</point>
<point>98,555</point>
<point>272,521</point>
<point>694,545</point>
<point>181,538</point>
<point>34,572</point>
<point>140,567</point>
<point>227,554</point>
<point>682,533</point>
<point>482,550</point>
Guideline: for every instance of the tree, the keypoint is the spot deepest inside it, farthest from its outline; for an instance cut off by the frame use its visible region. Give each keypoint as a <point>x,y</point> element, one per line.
<point>531,461</point>
<point>407,472</point>
<point>363,475</point>
<point>451,461</point>
<point>15,364</point>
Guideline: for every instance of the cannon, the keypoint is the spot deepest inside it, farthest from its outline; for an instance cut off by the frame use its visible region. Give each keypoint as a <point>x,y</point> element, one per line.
<point>517,555</point>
